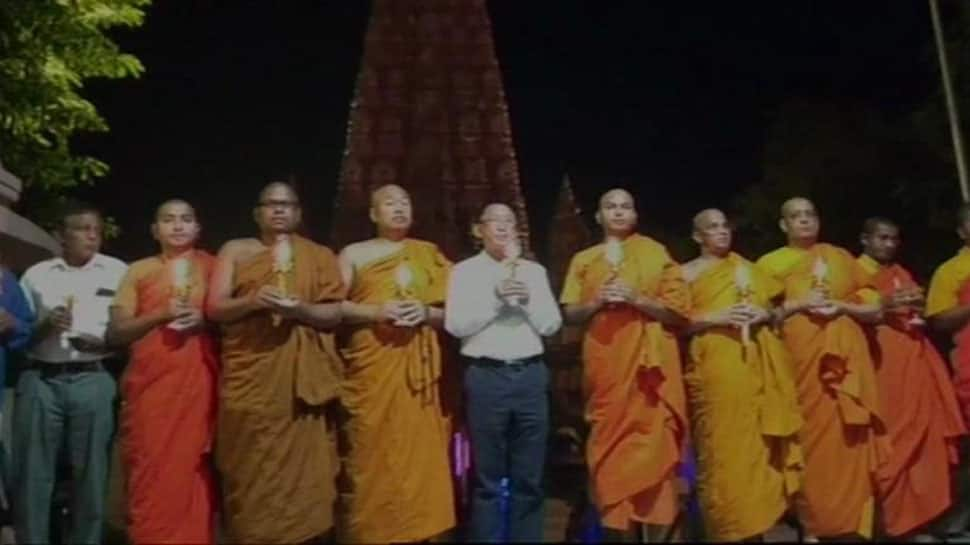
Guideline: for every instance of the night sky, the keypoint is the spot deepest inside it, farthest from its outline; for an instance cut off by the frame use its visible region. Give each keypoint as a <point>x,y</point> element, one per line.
<point>669,98</point>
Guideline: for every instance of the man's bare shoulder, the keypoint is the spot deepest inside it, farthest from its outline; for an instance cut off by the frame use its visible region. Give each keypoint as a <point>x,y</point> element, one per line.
<point>240,249</point>
<point>693,268</point>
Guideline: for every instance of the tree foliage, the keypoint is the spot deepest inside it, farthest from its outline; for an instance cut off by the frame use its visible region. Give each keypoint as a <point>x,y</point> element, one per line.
<point>48,50</point>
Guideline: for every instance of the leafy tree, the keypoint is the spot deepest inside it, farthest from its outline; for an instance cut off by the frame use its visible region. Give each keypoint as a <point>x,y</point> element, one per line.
<point>48,50</point>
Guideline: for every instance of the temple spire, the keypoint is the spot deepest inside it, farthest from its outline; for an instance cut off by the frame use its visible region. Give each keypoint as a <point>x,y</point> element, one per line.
<point>430,115</point>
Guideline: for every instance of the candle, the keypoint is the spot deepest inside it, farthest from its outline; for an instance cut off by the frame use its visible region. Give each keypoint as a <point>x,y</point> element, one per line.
<point>66,336</point>
<point>402,278</point>
<point>512,253</point>
<point>742,282</point>
<point>614,254</point>
<point>820,271</point>
<point>282,266</point>
<point>181,278</point>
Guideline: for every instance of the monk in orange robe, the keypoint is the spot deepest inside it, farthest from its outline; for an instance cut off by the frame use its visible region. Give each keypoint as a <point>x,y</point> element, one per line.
<point>630,293</point>
<point>397,432</point>
<point>826,295</point>
<point>278,298</point>
<point>948,311</point>
<point>921,411</point>
<point>743,404</point>
<point>169,386</point>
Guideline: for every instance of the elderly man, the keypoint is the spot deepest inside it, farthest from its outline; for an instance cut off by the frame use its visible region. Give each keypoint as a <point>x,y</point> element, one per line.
<point>826,296</point>
<point>399,483</point>
<point>744,409</point>
<point>631,296</point>
<point>277,296</point>
<point>65,396</point>
<point>500,305</point>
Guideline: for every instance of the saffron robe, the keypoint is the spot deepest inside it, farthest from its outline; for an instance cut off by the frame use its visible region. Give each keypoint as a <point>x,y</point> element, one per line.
<point>843,437</point>
<point>397,483</point>
<point>950,288</point>
<point>275,442</point>
<point>743,409</point>
<point>168,411</point>
<point>633,385</point>
<point>922,416</point>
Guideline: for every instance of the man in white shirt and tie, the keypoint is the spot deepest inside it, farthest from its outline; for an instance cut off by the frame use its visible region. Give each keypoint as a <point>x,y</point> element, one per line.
<point>500,306</point>
<point>64,394</point>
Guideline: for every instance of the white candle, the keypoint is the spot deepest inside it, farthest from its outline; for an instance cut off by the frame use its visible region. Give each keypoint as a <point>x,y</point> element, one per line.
<point>742,281</point>
<point>282,254</point>
<point>614,253</point>
<point>512,253</point>
<point>820,270</point>
<point>403,277</point>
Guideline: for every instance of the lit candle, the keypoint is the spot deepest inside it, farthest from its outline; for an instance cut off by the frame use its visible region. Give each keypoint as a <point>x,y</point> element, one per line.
<point>67,335</point>
<point>614,254</point>
<point>512,253</point>
<point>820,271</point>
<point>181,278</point>
<point>402,278</point>
<point>282,266</point>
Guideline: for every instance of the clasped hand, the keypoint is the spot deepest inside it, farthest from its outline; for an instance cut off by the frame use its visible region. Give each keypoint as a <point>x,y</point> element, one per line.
<point>183,316</point>
<point>740,315</point>
<point>616,291</point>
<point>511,289</point>
<point>819,303</point>
<point>406,313</point>
<point>271,298</point>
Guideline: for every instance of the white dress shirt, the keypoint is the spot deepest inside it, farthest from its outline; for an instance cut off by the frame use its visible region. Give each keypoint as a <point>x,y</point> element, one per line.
<point>49,283</point>
<point>486,325</point>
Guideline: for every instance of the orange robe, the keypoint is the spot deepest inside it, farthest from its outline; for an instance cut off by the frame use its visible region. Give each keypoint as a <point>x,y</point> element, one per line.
<point>633,386</point>
<point>843,436</point>
<point>275,446</point>
<point>168,412</point>
<point>950,288</point>
<point>921,412</point>
<point>396,468</point>
<point>743,409</point>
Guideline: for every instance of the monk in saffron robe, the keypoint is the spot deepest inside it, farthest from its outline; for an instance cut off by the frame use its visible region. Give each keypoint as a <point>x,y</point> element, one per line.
<point>169,387</point>
<point>826,296</point>
<point>743,404</point>
<point>278,298</point>
<point>948,311</point>
<point>630,293</point>
<point>922,416</point>
<point>397,432</point>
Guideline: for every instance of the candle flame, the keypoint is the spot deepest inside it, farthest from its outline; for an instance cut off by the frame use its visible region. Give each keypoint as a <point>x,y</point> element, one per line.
<point>820,270</point>
<point>513,250</point>
<point>180,272</point>
<point>742,277</point>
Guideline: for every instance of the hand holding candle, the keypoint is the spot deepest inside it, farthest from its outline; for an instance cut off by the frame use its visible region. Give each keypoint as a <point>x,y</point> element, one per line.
<point>282,269</point>
<point>513,251</point>
<point>742,282</point>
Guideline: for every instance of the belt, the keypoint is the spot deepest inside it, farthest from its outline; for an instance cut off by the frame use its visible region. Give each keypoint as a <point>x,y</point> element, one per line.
<point>64,368</point>
<point>492,362</point>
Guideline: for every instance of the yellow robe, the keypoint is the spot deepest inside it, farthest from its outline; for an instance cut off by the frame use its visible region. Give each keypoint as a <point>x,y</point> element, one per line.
<point>743,409</point>
<point>632,384</point>
<point>843,436</point>
<point>275,446</point>
<point>397,484</point>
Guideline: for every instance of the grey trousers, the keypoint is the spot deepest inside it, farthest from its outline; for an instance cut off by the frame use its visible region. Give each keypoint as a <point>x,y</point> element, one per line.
<point>51,412</point>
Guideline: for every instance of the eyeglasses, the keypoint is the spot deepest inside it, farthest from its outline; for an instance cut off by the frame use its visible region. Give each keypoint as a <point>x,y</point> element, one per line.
<point>499,221</point>
<point>278,204</point>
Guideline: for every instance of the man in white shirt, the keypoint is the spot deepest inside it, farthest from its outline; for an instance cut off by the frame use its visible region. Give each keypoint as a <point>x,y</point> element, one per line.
<point>64,394</point>
<point>500,306</point>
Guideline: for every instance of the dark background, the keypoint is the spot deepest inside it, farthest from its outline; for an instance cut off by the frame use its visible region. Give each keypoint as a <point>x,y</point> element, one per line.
<point>671,99</point>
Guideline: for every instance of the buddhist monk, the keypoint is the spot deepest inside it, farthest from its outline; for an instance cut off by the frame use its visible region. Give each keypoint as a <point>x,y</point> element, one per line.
<point>948,311</point>
<point>630,293</point>
<point>396,463</point>
<point>922,416</point>
<point>825,298</point>
<point>743,405</point>
<point>169,386</point>
<point>278,298</point>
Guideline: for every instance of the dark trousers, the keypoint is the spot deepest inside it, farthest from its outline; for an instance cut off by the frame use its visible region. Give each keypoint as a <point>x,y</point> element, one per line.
<point>51,412</point>
<point>508,420</point>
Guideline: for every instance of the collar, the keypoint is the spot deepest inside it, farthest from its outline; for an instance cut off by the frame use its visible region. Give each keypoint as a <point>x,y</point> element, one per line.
<point>870,264</point>
<point>96,261</point>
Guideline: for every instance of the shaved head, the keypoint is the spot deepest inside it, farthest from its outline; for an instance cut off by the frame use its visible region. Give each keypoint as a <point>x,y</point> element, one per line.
<point>170,203</point>
<point>392,190</point>
<point>615,192</point>
<point>706,216</point>
<point>870,225</point>
<point>795,203</point>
